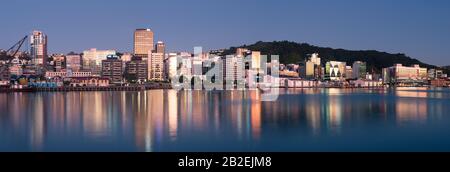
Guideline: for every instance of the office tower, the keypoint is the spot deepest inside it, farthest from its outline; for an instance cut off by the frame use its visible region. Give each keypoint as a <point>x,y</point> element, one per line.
<point>92,60</point>
<point>112,69</point>
<point>38,50</point>
<point>160,47</point>
<point>156,67</point>
<point>359,70</point>
<point>143,43</point>
<point>233,70</point>
<point>73,62</point>
<point>256,60</point>
<point>136,70</point>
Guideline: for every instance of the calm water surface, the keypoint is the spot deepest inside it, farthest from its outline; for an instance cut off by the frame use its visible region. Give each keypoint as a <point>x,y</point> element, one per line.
<point>166,120</point>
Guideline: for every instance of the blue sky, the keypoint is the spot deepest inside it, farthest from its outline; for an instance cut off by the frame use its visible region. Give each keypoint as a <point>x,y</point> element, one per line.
<point>418,28</point>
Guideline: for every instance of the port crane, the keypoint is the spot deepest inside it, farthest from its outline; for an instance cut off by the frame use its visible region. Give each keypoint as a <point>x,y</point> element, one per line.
<point>11,53</point>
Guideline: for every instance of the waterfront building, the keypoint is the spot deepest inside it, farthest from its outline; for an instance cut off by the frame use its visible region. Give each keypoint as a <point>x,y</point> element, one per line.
<point>335,70</point>
<point>73,62</point>
<point>112,69</point>
<point>15,70</point>
<point>69,73</point>
<point>156,67</point>
<point>359,70</point>
<point>92,60</point>
<point>38,44</point>
<point>440,83</point>
<point>435,74</point>
<point>143,43</point>
<point>89,82</point>
<point>136,70</point>
<point>404,74</point>
<point>366,83</point>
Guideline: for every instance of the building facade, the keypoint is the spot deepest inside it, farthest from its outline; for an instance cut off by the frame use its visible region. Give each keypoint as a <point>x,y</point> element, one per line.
<point>156,66</point>
<point>143,43</point>
<point>38,51</point>
<point>73,62</point>
<point>136,70</point>
<point>359,70</point>
<point>404,74</point>
<point>335,70</point>
<point>160,47</point>
<point>112,69</point>
<point>92,60</point>
<point>234,70</point>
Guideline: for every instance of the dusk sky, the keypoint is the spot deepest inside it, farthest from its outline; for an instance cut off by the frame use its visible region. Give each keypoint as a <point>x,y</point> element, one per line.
<point>418,28</point>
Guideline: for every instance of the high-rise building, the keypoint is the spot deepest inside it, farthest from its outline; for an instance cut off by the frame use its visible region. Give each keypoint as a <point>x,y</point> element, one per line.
<point>160,47</point>
<point>234,70</point>
<point>38,50</point>
<point>92,60</point>
<point>359,70</point>
<point>136,70</point>
<point>156,67</point>
<point>143,43</point>
<point>73,62</point>
<point>256,60</point>
<point>112,69</point>
<point>171,65</point>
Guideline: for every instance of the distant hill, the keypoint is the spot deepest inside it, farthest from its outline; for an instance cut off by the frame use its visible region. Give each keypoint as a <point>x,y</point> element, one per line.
<point>446,67</point>
<point>292,52</point>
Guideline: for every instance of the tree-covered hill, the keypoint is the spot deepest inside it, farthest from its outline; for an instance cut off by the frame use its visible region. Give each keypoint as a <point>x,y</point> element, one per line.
<point>292,52</point>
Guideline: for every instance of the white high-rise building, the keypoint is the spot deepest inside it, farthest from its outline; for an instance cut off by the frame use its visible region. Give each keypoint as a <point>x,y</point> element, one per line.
<point>156,67</point>
<point>234,70</point>
<point>172,63</point>
<point>38,41</point>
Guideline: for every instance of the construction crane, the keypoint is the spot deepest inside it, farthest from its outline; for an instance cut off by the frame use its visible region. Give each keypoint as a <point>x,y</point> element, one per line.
<point>11,53</point>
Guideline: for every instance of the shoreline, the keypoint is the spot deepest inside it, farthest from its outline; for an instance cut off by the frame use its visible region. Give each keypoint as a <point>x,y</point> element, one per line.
<point>166,87</point>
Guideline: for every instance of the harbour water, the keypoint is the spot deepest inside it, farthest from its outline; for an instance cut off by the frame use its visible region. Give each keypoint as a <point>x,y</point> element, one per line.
<point>402,119</point>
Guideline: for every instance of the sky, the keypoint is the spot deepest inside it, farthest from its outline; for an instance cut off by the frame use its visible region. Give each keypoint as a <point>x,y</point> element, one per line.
<point>418,28</point>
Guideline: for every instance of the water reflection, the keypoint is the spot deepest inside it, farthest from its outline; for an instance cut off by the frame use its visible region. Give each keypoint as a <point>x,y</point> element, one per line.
<point>167,120</point>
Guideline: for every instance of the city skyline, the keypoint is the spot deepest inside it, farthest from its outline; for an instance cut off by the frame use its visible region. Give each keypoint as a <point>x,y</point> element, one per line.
<point>403,27</point>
